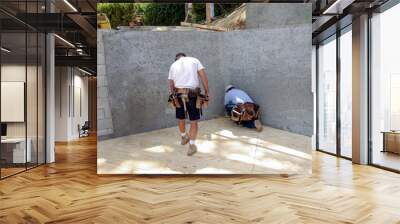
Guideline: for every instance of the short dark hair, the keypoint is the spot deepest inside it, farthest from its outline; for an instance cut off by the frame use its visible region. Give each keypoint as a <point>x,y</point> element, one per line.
<point>179,55</point>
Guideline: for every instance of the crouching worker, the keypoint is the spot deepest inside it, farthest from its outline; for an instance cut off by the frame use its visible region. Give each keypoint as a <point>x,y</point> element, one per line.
<point>186,97</point>
<point>241,108</point>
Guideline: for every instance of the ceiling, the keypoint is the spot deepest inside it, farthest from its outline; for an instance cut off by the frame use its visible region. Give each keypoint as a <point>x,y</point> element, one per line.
<point>330,15</point>
<point>74,22</point>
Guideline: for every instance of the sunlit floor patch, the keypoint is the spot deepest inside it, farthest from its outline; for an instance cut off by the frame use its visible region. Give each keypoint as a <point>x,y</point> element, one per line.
<point>223,148</point>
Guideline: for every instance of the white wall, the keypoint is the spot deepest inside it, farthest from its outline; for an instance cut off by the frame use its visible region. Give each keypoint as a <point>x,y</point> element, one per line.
<point>79,117</point>
<point>62,81</point>
<point>12,100</point>
<point>12,73</point>
<point>69,82</point>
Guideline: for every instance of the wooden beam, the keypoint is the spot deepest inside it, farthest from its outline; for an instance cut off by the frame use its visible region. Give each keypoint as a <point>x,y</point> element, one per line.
<point>208,13</point>
<point>206,27</point>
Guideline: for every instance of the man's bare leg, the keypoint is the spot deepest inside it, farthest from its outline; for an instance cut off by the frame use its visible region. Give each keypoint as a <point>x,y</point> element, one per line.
<point>192,136</point>
<point>193,130</point>
<point>182,130</point>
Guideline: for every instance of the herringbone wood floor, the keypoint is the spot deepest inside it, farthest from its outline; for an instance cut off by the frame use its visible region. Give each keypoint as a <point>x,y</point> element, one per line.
<point>69,191</point>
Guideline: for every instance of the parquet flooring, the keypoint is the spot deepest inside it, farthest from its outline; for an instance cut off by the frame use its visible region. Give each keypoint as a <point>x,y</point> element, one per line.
<point>70,191</point>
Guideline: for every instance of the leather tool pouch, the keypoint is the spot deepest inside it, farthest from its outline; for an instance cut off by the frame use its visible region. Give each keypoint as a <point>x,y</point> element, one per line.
<point>258,112</point>
<point>173,100</point>
<point>248,112</point>
<point>200,98</point>
<point>236,114</point>
<point>201,101</point>
<point>245,112</point>
<point>194,92</point>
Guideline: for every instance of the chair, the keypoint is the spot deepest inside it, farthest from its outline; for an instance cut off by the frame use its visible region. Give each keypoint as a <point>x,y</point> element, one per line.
<point>84,130</point>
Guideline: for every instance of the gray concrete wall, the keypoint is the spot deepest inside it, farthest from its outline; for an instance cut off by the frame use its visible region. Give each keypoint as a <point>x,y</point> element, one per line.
<point>268,16</point>
<point>137,65</point>
<point>273,65</point>
<point>282,65</point>
<point>104,119</point>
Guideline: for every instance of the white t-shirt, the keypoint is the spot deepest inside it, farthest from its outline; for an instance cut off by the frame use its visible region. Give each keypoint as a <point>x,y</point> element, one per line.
<point>184,72</point>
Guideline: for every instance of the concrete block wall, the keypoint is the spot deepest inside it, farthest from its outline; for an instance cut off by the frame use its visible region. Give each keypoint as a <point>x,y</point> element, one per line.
<point>104,119</point>
<point>137,65</point>
<point>274,67</point>
<point>272,64</point>
<point>276,47</point>
<point>278,15</point>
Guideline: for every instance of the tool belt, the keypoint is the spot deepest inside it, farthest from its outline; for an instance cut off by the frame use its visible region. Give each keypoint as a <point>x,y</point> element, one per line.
<point>185,94</point>
<point>245,112</point>
<point>173,100</point>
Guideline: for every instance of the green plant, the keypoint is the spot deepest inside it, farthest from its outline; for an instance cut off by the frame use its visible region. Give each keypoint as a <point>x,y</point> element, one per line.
<point>120,14</point>
<point>198,12</point>
<point>159,14</point>
<point>165,14</point>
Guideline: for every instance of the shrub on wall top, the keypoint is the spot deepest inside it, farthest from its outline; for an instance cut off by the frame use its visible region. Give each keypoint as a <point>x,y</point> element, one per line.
<point>120,14</point>
<point>164,14</point>
<point>158,14</point>
<point>154,14</point>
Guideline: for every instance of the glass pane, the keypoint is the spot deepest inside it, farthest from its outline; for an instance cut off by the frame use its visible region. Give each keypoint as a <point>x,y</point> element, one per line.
<point>327,96</point>
<point>13,88</point>
<point>346,93</point>
<point>41,99</point>
<point>31,87</point>
<point>386,89</point>
<point>31,98</point>
<point>22,88</point>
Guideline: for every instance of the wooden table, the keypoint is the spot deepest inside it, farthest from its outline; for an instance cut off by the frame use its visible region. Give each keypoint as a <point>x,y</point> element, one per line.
<point>17,149</point>
<point>391,141</point>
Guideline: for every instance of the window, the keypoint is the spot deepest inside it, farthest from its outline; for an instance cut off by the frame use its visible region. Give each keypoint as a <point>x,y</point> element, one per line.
<point>22,77</point>
<point>346,75</point>
<point>327,95</point>
<point>385,89</point>
<point>333,138</point>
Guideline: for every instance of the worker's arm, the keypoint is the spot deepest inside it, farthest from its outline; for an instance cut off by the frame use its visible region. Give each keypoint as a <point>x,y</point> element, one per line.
<point>171,86</point>
<point>204,80</point>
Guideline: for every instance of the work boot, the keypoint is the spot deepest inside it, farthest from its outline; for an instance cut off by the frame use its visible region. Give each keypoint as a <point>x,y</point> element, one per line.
<point>258,125</point>
<point>192,149</point>
<point>184,139</point>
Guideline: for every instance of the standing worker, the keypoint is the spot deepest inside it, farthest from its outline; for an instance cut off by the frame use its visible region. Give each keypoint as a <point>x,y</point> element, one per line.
<point>186,97</point>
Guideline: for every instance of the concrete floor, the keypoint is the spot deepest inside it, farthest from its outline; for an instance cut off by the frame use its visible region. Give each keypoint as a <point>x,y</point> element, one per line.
<point>223,148</point>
